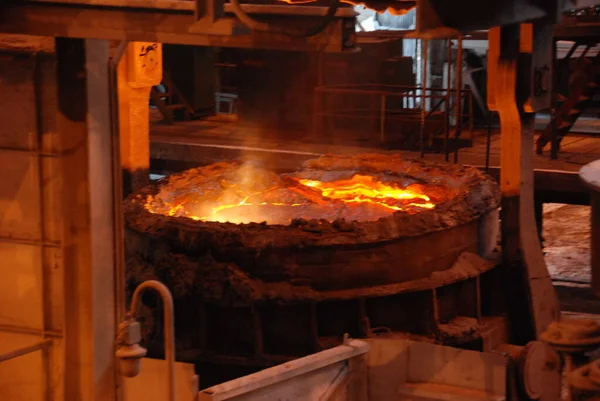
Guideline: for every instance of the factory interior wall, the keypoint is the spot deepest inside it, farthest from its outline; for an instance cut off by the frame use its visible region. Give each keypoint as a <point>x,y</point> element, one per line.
<point>32,270</point>
<point>56,215</point>
<point>277,91</point>
<point>192,70</point>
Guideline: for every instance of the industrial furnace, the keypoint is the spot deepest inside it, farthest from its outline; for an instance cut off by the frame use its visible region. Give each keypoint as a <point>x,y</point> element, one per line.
<point>281,266</point>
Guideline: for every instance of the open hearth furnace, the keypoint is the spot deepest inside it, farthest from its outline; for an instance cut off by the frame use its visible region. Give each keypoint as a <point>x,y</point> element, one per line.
<point>266,267</point>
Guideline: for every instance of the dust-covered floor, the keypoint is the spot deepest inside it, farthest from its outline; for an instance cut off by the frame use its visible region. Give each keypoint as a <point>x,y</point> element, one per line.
<point>567,250</point>
<point>567,242</point>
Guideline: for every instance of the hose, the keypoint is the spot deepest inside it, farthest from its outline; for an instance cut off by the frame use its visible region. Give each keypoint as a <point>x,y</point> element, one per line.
<point>259,26</point>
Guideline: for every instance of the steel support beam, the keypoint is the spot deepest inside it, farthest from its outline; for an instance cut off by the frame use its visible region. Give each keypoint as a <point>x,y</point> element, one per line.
<point>169,26</point>
<point>138,71</point>
<point>513,56</point>
<point>83,123</point>
<point>589,176</point>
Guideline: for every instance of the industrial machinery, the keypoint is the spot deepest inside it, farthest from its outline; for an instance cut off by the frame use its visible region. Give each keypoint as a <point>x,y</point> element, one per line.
<point>108,57</point>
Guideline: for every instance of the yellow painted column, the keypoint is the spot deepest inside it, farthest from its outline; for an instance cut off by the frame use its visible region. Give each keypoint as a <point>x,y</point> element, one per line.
<point>138,71</point>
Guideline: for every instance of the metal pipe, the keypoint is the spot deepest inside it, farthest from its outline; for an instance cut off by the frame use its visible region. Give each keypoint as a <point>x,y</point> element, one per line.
<point>488,141</point>
<point>45,285</point>
<point>117,181</point>
<point>25,350</point>
<point>387,89</point>
<point>31,242</point>
<point>424,60</point>
<point>4,328</point>
<point>43,154</point>
<point>316,128</point>
<point>233,147</point>
<point>169,325</point>
<point>117,170</point>
<point>382,120</point>
<point>458,105</point>
<point>554,109</point>
<point>471,122</point>
<point>448,98</point>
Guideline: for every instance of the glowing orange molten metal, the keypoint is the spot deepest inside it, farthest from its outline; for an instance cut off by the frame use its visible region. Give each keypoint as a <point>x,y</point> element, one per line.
<point>365,189</point>
<point>248,199</point>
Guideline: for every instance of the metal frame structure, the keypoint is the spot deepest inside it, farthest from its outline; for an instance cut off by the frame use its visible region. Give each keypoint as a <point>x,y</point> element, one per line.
<point>441,99</point>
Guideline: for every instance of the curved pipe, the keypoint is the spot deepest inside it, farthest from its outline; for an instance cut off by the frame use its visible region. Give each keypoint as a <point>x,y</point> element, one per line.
<point>265,27</point>
<point>169,326</point>
<point>246,19</point>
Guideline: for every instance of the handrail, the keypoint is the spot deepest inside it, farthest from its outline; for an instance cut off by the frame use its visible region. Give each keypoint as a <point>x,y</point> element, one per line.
<point>25,350</point>
<point>29,331</point>
<point>357,87</point>
<point>169,325</point>
<point>322,110</point>
<point>372,90</point>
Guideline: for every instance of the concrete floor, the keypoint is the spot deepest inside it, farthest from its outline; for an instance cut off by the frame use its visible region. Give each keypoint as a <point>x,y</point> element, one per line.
<point>567,242</point>
<point>567,250</point>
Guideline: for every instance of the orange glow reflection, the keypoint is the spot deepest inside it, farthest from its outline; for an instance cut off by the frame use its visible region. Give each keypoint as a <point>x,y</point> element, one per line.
<point>365,189</point>
<point>360,197</point>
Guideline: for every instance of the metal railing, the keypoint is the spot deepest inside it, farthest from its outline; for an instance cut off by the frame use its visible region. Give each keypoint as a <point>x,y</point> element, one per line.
<point>39,346</point>
<point>386,104</point>
<point>43,346</point>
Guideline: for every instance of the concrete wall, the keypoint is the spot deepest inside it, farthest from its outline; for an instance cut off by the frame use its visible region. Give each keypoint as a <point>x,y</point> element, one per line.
<point>275,89</point>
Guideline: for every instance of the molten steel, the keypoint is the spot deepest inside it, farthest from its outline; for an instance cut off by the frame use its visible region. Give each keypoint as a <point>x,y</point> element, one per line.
<point>366,189</point>
<point>246,194</point>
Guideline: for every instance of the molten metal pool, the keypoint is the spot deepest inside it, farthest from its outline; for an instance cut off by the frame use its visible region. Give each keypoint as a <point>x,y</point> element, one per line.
<point>239,192</point>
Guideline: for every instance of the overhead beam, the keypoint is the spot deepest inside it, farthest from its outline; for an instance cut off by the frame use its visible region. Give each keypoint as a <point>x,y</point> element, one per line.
<point>163,26</point>
<point>587,31</point>
<point>172,5</point>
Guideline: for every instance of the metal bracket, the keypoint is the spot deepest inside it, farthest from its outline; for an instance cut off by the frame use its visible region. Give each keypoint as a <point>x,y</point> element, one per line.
<point>209,18</point>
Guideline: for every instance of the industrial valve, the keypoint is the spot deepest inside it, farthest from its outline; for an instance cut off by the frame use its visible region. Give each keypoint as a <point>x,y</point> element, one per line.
<point>129,352</point>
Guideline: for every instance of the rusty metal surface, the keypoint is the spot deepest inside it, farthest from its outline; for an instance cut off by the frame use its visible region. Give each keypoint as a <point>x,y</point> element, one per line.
<point>224,339</point>
<point>474,195</point>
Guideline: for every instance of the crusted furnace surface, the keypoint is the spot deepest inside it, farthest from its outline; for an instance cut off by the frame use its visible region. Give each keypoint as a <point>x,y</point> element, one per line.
<point>476,194</point>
